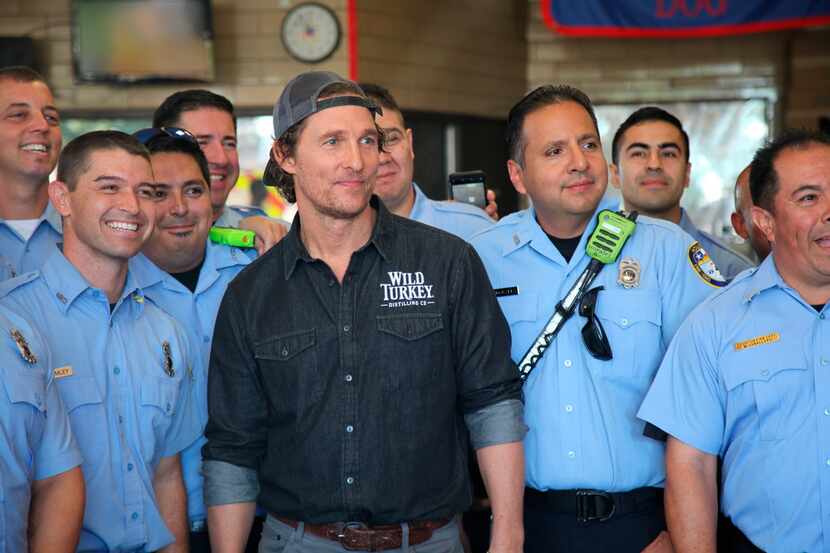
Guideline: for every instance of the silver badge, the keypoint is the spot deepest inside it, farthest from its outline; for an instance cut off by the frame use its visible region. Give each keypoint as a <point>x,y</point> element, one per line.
<point>23,346</point>
<point>629,273</point>
<point>168,359</point>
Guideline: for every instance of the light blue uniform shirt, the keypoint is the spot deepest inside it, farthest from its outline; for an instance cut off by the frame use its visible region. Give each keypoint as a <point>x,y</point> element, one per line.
<point>730,263</point>
<point>22,256</point>
<point>581,412</point>
<point>460,219</point>
<point>129,403</point>
<point>35,438</point>
<point>747,378</point>
<point>197,314</point>
<point>232,215</point>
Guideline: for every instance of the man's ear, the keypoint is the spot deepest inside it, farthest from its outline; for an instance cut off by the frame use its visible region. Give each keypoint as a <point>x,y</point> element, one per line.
<point>59,196</point>
<point>516,174</point>
<point>764,221</point>
<point>688,176</point>
<point>409,138</point>
<point>615,175</point>
<point>739,225</point>
<point>286,163</point>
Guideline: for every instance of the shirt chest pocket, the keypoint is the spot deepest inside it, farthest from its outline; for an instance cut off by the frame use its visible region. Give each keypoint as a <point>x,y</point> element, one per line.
<point>633,323</point>
<point>412,348</point>
<point>288,364</point>
<point>27,394</point>
<point>160,395</point>
<point>85,406</point>
<point>773,385</point>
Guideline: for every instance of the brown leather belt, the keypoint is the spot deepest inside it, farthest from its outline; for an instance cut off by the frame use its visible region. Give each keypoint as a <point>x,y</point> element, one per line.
<point>355,537</point>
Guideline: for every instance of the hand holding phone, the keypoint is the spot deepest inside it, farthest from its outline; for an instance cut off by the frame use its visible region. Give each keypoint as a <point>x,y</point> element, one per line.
<point>468,187</point>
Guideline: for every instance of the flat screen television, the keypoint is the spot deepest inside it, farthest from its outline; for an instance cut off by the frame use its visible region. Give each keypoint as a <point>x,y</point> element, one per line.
<point>134,41</point>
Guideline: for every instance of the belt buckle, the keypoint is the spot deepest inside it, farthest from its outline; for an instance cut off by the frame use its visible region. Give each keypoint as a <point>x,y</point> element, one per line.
<point>586,505</point>
<point>348,535</point>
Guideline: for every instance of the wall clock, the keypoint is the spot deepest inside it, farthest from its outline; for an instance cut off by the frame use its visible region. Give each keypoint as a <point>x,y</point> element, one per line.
<point>310,32</point>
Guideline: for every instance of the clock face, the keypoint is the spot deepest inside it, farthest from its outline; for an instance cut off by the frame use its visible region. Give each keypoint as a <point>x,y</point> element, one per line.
<point>310,32</point>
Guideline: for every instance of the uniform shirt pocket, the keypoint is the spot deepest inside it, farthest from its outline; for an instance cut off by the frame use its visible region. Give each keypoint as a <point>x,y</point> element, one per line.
<point>781,391</point>
<point>87,416</point>
<point>523,307</point>
<point>632,321</point>
<point>26,388</point>
<point>27,395</point>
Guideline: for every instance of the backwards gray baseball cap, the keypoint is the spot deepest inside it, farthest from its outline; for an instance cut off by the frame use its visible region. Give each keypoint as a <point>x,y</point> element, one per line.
<point>300,98</point>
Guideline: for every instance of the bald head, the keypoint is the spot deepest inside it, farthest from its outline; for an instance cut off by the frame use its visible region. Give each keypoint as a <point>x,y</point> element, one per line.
<point>742,217</point>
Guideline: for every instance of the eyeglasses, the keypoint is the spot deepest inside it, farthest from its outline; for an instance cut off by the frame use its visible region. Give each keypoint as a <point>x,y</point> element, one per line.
<point>146,135</point>
<point>592,333</point>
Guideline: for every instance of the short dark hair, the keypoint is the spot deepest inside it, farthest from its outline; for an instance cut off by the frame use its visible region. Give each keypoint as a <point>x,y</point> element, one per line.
<point>171,109</point>
<point>287,143</point>
<point>21,74</point>
<point>168,144</point>
<point>643,115</point>
<point>763,179</point>
<point>381,96</point>
<point>74,159</point>
<point>537,99</point>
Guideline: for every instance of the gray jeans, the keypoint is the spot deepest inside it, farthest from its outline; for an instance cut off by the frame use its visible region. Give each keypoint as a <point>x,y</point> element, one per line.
<point>278,537</point>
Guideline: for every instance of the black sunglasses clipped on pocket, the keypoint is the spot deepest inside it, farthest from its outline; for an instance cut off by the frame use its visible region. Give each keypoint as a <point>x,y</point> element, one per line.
<point>592,333</point>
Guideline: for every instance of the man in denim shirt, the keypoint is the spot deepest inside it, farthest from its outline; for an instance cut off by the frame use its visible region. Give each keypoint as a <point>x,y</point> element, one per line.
<point>345,412</point>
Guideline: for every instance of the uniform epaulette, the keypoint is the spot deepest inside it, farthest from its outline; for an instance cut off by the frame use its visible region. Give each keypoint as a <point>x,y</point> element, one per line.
<point>7,286</point>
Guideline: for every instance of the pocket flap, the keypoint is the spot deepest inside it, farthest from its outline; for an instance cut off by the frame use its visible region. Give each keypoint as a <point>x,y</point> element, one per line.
<point>26,388</point>
<point>628,307</point>
<point>78,390</point>
<point>411,326</point>
<point>160,393</point>
<point>522,307</point>
<point>285,347</point>
<point>754,370</point>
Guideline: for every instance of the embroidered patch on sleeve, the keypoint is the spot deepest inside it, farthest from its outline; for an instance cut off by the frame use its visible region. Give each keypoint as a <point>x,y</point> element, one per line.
<point>704,267</point>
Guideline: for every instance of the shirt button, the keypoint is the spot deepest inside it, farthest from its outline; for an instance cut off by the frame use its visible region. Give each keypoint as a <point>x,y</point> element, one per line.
<point>347,328</point>
<point>569,408</point>
<point>284,352</point>
<point>331,282</point>
<point>348,378</point>
<point>827,412</point>
<point>821,316</point>
<point>828,462</point>
<point>129,467</point>
<point>116,370</point>
<point>764,372</point>
<point>571,454</point>
<point>349,480</point>
<point>825,361</point>
<point>624,322</point>
<point>349,428</point>
<point>568,363</point>
<point>134,516</point>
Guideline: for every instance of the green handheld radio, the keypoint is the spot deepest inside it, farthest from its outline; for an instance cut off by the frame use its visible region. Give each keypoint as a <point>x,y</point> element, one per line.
<point>232,237</point>
<point>609,236</point>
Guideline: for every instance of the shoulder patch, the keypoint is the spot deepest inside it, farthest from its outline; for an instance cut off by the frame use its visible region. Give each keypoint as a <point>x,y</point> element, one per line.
<point>704,267</point>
